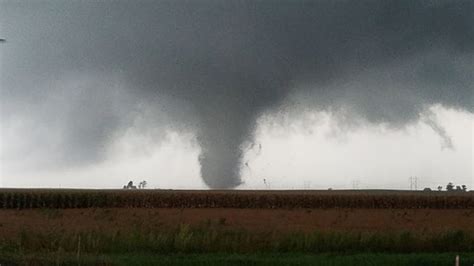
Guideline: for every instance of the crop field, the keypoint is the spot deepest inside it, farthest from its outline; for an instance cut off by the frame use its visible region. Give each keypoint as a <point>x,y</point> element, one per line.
<point>21,199</point>
<point>108,227</point>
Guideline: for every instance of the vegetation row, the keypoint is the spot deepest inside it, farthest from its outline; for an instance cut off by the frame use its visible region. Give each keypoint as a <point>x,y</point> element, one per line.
<point>21,199</point>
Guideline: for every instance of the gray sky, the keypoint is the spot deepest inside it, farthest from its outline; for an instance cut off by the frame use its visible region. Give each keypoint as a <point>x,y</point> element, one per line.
<point>96,92</point>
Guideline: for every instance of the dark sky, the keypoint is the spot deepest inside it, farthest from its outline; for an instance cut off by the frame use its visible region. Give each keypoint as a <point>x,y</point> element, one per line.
<point>82,71</point>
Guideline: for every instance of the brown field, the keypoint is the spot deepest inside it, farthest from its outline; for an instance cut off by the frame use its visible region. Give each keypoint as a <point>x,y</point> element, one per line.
<point>167,222</point>
<point>276,211</point>
<point>111,220</point>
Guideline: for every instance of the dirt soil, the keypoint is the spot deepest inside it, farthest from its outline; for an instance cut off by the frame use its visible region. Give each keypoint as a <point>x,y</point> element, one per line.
<point>111,220</point>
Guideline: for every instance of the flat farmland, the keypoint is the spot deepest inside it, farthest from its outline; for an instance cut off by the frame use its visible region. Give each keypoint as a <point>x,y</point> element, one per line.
<point>261,220</point>
<point>92,222</point>
<point>282,211</point>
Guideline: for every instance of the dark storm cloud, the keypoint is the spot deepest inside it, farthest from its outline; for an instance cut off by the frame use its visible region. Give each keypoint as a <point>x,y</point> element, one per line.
<point>220,65</point>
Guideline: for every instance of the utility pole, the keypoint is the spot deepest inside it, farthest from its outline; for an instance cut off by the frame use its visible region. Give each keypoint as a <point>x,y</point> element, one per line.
<point>413,182</point>
<point>355,184</point>
<point>307,184</point>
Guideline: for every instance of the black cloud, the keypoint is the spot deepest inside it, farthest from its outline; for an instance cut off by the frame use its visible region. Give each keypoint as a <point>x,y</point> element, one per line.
<point>222,64</point>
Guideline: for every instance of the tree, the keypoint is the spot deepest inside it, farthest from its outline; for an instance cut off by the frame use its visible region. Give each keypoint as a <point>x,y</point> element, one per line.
<point>130,185</point>
<point>142,184</point>
<point>440,188</point>
<point>450,186</point>
<point>464,188</point>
